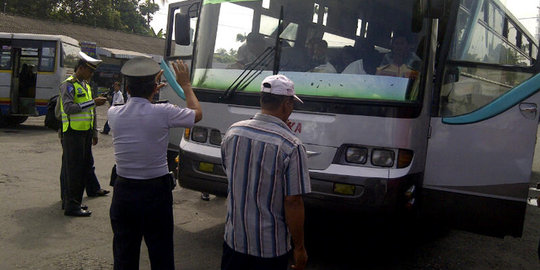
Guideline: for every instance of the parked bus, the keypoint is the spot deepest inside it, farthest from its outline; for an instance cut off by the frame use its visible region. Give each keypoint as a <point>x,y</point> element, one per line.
<point>31,68</point>
<point>411,106</point>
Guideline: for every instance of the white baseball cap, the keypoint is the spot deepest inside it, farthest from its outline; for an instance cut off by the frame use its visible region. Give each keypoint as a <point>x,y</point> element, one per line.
<point>279,85</point>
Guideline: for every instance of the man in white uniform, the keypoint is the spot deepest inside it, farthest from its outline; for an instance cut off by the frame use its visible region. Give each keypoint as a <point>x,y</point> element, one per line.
<point>142,202</point>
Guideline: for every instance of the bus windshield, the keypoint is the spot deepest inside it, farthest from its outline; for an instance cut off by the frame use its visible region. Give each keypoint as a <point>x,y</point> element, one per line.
<point>352,49</point>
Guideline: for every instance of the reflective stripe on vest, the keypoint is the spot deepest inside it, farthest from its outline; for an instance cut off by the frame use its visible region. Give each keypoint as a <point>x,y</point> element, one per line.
<point>78,121</point>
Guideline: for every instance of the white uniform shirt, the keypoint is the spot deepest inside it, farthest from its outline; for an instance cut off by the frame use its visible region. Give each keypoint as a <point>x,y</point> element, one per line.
<point>141,134</point>
<point>118,98</point>
<point>356,67</point>
<point>324,68</point>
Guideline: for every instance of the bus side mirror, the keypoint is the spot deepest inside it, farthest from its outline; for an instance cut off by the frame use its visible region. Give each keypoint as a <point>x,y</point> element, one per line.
<point>182,29</point>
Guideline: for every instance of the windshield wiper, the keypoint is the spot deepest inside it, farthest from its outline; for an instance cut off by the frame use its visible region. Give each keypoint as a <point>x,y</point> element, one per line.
<point>262,60</point>
<point>253,70</point>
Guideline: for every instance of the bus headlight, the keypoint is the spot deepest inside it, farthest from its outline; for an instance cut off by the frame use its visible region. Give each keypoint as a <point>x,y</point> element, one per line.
<point>199,134</point>
<point>356,155</point>
<point>382,157</point>
<point>215,137</point>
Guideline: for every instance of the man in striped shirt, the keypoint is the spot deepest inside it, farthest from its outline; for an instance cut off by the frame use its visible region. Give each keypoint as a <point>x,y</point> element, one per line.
<point>267,171</point>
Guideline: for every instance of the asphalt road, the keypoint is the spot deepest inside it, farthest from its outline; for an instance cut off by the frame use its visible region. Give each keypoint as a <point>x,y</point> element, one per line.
<point>34,233</point>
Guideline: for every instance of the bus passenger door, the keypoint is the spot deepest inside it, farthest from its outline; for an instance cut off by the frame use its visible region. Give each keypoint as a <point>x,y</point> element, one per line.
<point>479,156</point>
<point>14,90</point>
<point>24,75</point>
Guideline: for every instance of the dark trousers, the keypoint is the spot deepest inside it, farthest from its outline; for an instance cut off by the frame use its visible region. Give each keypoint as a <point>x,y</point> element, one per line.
<point>78,163</point>
<point>91,182</point>
<point>142,209</point>
<point>233,260</point>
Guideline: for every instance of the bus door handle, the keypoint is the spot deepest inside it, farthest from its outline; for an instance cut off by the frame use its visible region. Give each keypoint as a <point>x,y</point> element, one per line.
<point>528,110</point>
<point>312,153</point>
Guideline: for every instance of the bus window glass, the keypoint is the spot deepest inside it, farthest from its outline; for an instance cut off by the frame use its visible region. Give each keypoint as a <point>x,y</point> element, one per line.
<point>475,88</point>
<point>70,56</point>
<point>29,57</point>
<point>289,34</point>
<point>47,56</point>
<point>5,57</point>
<point>512,33</point>
<point>525,46</point>
<point>467,88</point>
<point>496,19</point>
<point>324,57</point>
<point>337,41</point>
<point>268,25</point>
<point>480,43</point>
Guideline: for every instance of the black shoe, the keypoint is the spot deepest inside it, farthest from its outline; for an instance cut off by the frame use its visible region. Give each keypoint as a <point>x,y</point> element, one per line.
<point>78,213</point>
<point>83,206</point>
<point>99,192</point>
<point>205,196</point>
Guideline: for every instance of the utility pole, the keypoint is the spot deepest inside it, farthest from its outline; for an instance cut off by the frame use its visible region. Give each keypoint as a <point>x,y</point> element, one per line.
<point>5,6</point>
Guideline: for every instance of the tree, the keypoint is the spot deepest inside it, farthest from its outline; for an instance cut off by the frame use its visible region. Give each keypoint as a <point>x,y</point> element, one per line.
<point>125,15</point>
<point>147,9</point>
<point>34,8</point>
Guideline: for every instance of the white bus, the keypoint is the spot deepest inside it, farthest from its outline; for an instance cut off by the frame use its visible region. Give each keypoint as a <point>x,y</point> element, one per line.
<point>31,68</point>
<point>439,117</point>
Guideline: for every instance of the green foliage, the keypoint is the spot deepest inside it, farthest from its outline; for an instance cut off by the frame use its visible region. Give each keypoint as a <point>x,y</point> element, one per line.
<point>148,8</point>
<point>159,34</point>
<point>222,56</point>
<point>125,15</point>
<point>241,37</point>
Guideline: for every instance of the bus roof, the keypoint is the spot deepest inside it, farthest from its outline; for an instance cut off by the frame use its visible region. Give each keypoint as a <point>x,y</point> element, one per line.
<point>62,38</point>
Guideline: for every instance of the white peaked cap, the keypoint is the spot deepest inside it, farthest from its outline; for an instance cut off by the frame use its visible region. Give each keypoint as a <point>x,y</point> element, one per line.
<point>90,60</point>
<point>279,85</point>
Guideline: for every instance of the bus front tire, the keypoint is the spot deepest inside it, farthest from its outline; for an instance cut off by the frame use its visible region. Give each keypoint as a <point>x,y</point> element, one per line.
<point>12,120</point>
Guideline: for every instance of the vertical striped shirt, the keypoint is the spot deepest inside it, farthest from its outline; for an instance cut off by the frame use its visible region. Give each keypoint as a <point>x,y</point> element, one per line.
<point>264,162</point>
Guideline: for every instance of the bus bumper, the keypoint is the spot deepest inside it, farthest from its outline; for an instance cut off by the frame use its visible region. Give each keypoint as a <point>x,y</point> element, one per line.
<point>360,193</point>
<point>202,172</point>
<point>338,187</point>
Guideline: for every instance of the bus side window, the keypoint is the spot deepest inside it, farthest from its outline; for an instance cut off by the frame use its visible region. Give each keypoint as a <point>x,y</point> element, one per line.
<point>5,57</point>
<point>467,89</point>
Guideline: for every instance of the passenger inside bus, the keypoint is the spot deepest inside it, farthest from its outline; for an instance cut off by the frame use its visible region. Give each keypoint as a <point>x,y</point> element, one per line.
<point>27,81</point>
<point>350,62</point>
<point>318,60</point>
<point>27,89</point>
<point>250,50</point>
<point>400,62</point>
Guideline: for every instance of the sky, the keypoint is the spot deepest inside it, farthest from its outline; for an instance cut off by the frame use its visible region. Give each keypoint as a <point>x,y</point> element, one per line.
<point>525,10</point>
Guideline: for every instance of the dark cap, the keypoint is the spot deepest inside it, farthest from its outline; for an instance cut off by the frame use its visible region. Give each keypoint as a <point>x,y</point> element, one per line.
<point>140,67</point>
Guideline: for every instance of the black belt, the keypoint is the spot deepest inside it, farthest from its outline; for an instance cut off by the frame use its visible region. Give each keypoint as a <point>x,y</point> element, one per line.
<point>131,180</point>
<point>167,178</point>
